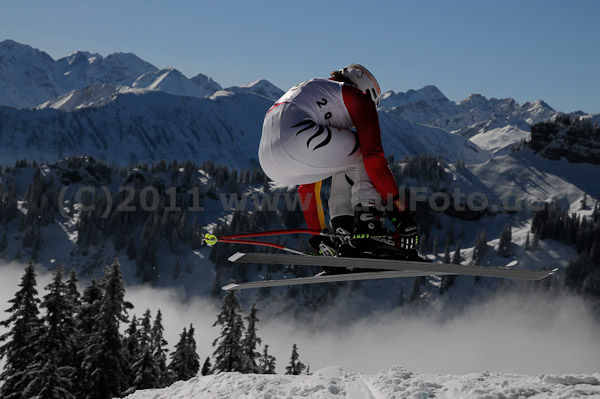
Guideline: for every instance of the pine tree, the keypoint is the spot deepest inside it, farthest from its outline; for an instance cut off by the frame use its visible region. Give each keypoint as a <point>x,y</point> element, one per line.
<point>251,341</point>
<point>436,247</point>
<point>60,330</point>
<point>192,358</point>
<point>584,201</point>
<point>177,371</point>
<point>131,341</point>
<point>206,367</point>
<point>145,369</point>
<point>11,209</point>
<point>49,382</point>
<point>185,362</point>
<point>3,242</point>
<point>229,354</point>
<point>73,292</point>
<point>106,370</point>
<point>296,367</point>
<point>160,352</point>
<point>480,248</point>
<point>21,341</point>
<point>505,240</point>
<point>266,362</point>
<point>448,280</point>
<point>535,242</point>
<point>85,321</point>
<point>54,365</point>
<point>447,252</point>
<point>450,234</point>
<point>456,256</point>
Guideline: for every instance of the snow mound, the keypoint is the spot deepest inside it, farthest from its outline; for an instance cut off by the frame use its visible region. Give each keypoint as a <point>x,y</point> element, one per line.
<point>395,382</point>
<point>571,379</point>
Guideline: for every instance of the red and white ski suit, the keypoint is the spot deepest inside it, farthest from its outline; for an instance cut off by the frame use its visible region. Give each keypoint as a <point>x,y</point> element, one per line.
<point>323,128</point>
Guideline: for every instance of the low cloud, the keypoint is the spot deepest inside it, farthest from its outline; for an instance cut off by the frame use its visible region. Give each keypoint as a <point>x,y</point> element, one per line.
<point>531,334</point>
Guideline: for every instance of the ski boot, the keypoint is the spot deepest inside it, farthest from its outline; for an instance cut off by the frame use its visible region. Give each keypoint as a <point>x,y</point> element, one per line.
<point>372,240</point>
<point>329,246</point>
<point>367,227</point>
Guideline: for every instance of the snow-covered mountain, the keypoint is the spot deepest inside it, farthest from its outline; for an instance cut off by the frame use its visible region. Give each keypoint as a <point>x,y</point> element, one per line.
<point>473,115</point>
<point>129,125</point>
<point>122,109</point>
<point>261,87</point>
<point>91,96</point>
<point>31,77</point>
<point>170,80</point>
<point>415,122</point>
<point>122,125</point>
<point>429,94</point>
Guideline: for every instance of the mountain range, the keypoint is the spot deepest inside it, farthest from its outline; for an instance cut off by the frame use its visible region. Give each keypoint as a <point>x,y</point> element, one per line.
<point>122,109</point>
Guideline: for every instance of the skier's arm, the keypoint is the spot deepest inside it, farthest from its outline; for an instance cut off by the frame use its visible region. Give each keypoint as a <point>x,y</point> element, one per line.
<point>364,117</point>
<point>310,199</point>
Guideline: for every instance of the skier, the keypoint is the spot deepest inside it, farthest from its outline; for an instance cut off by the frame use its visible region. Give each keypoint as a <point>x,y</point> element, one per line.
<point>329,128</point>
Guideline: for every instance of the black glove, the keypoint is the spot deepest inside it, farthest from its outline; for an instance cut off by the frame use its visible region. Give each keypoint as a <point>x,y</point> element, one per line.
<point>406,229</point>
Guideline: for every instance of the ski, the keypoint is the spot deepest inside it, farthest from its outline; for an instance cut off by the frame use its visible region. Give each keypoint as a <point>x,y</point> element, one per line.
<point>391,265</point>
<point>328,279</point>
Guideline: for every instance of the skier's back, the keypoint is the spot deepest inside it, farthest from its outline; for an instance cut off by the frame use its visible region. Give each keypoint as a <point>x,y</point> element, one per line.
<point>329,128</point>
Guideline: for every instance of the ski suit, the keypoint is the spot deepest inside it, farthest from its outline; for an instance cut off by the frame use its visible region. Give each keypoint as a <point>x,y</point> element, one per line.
<point>323,128</point>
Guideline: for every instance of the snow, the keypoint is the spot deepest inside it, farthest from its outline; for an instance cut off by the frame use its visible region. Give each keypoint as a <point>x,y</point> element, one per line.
<point>528,177</point>
<point>395,382</point>
<point>170,80</point>
<point>261,87</point>
<point>499,141</point>
<point>429,93</point>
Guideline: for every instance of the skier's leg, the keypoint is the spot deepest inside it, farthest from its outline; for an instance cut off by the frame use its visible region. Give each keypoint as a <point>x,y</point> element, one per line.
<point>363,191</point>
<point>340,200</point>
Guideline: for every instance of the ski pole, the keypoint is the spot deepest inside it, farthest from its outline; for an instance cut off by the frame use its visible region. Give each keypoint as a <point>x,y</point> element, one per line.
<point>274,233</point>
<point>211,240</point>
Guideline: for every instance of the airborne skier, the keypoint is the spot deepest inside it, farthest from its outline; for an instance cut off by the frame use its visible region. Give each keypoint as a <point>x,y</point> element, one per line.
<point>329,128</point>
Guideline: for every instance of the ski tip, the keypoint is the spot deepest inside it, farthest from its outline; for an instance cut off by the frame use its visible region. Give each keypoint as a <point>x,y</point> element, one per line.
<point>236,256</point>
<point>229,287</point>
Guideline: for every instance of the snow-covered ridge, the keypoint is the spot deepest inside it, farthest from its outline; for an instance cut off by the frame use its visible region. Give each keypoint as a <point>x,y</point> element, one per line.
<point>415,122</point>
<point>396,382</point>
<point>93,95</point>
<point>469,117</point>
<point>31,77</point>
<point>261,87</point>
<point>123,125</point>
<point>430,93</point>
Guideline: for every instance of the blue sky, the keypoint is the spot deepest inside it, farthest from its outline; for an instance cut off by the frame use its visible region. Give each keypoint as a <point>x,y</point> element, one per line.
<point>520,49</point>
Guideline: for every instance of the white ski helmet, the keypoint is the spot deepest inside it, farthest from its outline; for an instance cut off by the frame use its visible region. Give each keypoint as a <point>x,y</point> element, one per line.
<point>363,79</point>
